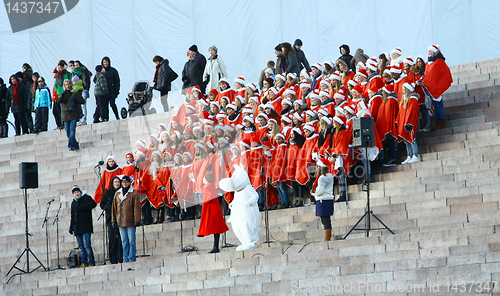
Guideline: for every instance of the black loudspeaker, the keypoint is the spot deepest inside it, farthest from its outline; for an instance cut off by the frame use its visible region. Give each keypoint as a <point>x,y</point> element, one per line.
<point>363,132</point>
<point>28,175</point>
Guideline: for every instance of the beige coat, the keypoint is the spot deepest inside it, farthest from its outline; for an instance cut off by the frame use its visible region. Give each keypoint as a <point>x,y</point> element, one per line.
<point>126,209</point>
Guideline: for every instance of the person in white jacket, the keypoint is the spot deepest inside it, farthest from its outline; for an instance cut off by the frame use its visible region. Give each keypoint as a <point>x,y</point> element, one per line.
<point>324,196</point>
<point>215,69</point>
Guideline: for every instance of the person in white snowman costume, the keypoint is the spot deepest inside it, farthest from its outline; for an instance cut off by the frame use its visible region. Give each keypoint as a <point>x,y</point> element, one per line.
<point>245,216</point>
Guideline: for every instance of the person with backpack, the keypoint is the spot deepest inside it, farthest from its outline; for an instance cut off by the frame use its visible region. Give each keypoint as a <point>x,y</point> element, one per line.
<point>101,95</point>
<point>164,76</point>
<point>84,74</point>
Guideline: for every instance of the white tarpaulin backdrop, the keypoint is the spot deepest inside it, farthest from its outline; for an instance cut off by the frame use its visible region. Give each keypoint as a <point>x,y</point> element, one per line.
<point>132,32</point>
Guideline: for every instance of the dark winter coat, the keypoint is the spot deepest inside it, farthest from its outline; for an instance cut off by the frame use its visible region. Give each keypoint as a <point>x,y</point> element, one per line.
<point>23,93</point>
<point>85,77</point>
<point>359,56</point>
<point>292,64</point>
<point>101,84</point>
<point>81,215</point>
<point>113,80</point>
<point>196,69</point>
<point>107,203</point>
<point>346,57</point>
<point>163,78</point>
<point>186,81</point>
<point>302,60</point>
<point>4,104</point>
<point>63,99</point>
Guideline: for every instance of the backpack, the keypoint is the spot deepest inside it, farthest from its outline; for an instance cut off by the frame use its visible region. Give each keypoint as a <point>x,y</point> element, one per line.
<point>172,75</point>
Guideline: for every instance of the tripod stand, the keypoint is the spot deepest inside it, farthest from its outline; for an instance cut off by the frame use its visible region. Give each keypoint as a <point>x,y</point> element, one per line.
<point>369,212</point>
<point>268,240</point>
<point>27,250</point>
<point>56,221</point>
<point>46,225</point>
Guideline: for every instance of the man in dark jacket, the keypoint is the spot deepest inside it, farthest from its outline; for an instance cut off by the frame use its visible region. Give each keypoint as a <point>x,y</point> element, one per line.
<point>81,223</point>
<point>162,81</point>
<point>196,68</point>
<point>17,98</point>
<point>4,110</point>
<point>70,117</point>
<point>280,60</point>
<point>345,54</point>
<point>113,84</point>
<point>301,56</point>
<point>101,94</point>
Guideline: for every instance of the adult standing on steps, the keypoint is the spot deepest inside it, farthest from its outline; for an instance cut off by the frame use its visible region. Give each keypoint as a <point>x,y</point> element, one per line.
<point>196,67</point>
<point>101,94</point>
<point>81,223</point>
<point>115,250</point>
<point>163,80</point>
<point>17,97</point>
<point>324,196</point>
<point>4,110</point>
<point>71,117</point>
<point>60,74</point>
<point>215,69</point>
<point>113,80</point>
<point>126,215</point>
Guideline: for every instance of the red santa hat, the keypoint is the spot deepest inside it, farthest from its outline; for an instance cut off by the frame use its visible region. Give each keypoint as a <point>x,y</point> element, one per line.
<point>231,106</point>
<point>286,102</point>
<point>248,118</point>
<point>352,83</point>
<point>309,128</point>
<point>210,144</point>
<point>324,94</point>
<point>327,120</point>
<point>395,70</point>
<point>215,103</point>
<point>349,109</point>
<point>223,79</point>
<point>197,128</point>
<point>214,92</point>
<point>299,102</point>
<point>280,76</point>
<point>297,130</point>
<point>434,48</point>
<point>409,86</point>
<point>291,75</point>
<point>220,115</point>
<point>177,134</point>
<point>196,88</point>
<point>329,63</point>
<point>129,153</point>
<point>203,102</point>
<point>361,65</point>
<point>388,88</point>
<point>112,157</point>
<point>289,91</point>
<point>141,143</point>
<point>358,89</point>
<point>362,72</point>
<point>338,95</point>
<point>409,60</point>
<point>156,152</point>
<point>286,119</point>
<point>274,90</point>
<point>310,113</point>
<point>269,105</point>
<point>255,139</point>
<point>339,119</point>
<point>396,50</point>
<point>253,99</point>
<point>335,76</point>
<point>247,110</point>
<point>306,85</point>
<point>240,79</point>
<point>223,140</point>
<point>166,153</point>
<point>228,128</point>
<point>175,118</point>
<point>154,137</point>
<point>252,85</point>
<point>314,96</point>
<point>317,66</point>
<point>263,115</point>
<point>373,88</point>
<point>189,91</point>
<point>297,116</point>
<point>199,145</point>
<point>220,127</point>
<point>324,112</point>
<point>239,127</point>
<point>305,74</point>
<point>325,82</point>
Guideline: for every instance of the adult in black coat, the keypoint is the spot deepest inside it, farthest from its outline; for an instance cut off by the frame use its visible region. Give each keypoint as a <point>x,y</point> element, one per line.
<point>345,54</point>
<point>162,81</point>
<point>4,110</point>
<point>186,81</point>
<point>292,65</point>
<point>301,56</point>
<point>81,223</point>
<point>115,250</point>
<point>113,84</point>
<point>196,68</point>
<point>17,98</point>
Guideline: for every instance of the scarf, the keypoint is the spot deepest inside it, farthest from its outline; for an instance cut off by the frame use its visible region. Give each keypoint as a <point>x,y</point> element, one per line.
<point>111,168</point>
<point>125,191</point>
<point>16,94</point>
<point>283,63</point>
<point>434,58</point>
<point>60,77</point>
<point>78,71</point>
<point>156,72</point>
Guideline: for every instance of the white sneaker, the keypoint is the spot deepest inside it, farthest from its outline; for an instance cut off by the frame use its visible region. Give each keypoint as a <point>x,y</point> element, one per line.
<point>81,122</point>
<point>414,159</point>
<point>406,160</point>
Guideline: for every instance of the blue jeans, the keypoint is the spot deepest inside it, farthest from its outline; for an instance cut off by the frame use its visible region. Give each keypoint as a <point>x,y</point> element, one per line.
<point>128,243</point>
<point>85,247</point>
<point>70,127</point>
<point>282,189</point>
<point>85,95</point>
<point>438,109</point>
<point>262,198</point>
<point>411,148</point>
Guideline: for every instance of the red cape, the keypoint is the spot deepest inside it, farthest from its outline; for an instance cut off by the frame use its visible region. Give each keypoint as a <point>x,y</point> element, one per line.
<point>105,182</point>
<point>437,78</point>
<point>212,220</point>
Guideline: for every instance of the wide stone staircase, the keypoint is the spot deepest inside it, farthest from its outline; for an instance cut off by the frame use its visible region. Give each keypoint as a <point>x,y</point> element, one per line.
<point>444,212</point>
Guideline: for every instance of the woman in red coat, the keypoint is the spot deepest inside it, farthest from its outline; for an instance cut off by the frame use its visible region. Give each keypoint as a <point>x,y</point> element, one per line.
<point>212,221</point>
<point>112,169</point>
<point>386,122</point>
<point>129,167</point>
<point>408,122</point>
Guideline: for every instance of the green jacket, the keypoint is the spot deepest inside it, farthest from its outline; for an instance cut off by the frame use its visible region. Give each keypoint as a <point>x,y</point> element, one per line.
<point>59,83</point>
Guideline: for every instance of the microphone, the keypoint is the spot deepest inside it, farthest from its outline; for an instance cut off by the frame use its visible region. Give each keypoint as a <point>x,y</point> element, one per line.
<point>51,201</point>
<point>101,162</point>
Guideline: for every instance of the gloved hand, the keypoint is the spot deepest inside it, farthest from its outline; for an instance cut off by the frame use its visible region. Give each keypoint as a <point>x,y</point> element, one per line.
<point>71,231</point>
<point>408,127</point>
<point>137,224</point>
<point>314,156</point>
<point>162,188</point>
<point>114,225</point>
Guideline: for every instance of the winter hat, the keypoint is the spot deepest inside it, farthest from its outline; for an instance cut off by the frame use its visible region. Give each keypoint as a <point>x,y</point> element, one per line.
<point>314,96</point>
<point>409,60</point>
<point>434,48</point>
<point>141,143</point>
<point>220,115</point>
<point>291,75</point>
<point>297,42</point>
<point>263,116</point>
<point>126,178</point>
<point>396,50</point>
<point>245,143</point>
<point>280,135</point>
<point>324,112</point>
<point>269,71</point>
<point>358,89</point>
<point>240,79</point>
<point>193,48</point>
<point>323,162</point>
<point>297,116</point>
<point>274,90</point>
<point>112,157</point>
<point>252,86</point>
<point>98,68</point>
<point>278,48</point>
<point>327,119</point>
<point>289,91</point>
<point>280,76</point>
<point>317,66</point>
<point>248,118</point>
<point>310,113</point>
<point>196,88</point>
<point>223,79</point>
<point>349,109</point>
<point>156,152</point>
<point>75,79</point>
<point>395,70</point>
<point>352,83</point>
<point>75,188</point>
<point>269,105</point>
<point>339,96</point>
<point>408,86</point>
<point>389,88</point>
<point>286,119</point>
<point>39,79</point>
<point>335,76</point>
<point>214,92</point>
<point>213,47</point>
<point>268,80</point>
<point>362,72</point>
<point>286,102</point>
<point>338,119</point>
<point>253,99</point>
<point>232,106</point>
<point>305,74</point>
<point>325,82</point>
<point>329,63</point>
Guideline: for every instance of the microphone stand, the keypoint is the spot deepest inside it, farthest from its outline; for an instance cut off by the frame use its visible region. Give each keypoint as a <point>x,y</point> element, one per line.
<point>46,225</point>
<point>266,209</point>
<point>104,232</point>
<point>186,248</point>
<point>56,221</point>
<point>142,224</point>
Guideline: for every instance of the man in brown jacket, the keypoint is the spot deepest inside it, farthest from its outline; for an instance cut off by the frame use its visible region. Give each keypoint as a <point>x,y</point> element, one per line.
<point>71,117</point>
<point>126,214</point>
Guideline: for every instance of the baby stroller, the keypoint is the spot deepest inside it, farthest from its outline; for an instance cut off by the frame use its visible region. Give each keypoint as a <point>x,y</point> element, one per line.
<point>140,98</point>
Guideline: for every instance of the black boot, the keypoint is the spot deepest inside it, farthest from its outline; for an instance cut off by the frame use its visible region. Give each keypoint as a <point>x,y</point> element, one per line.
<point>216,244</point>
